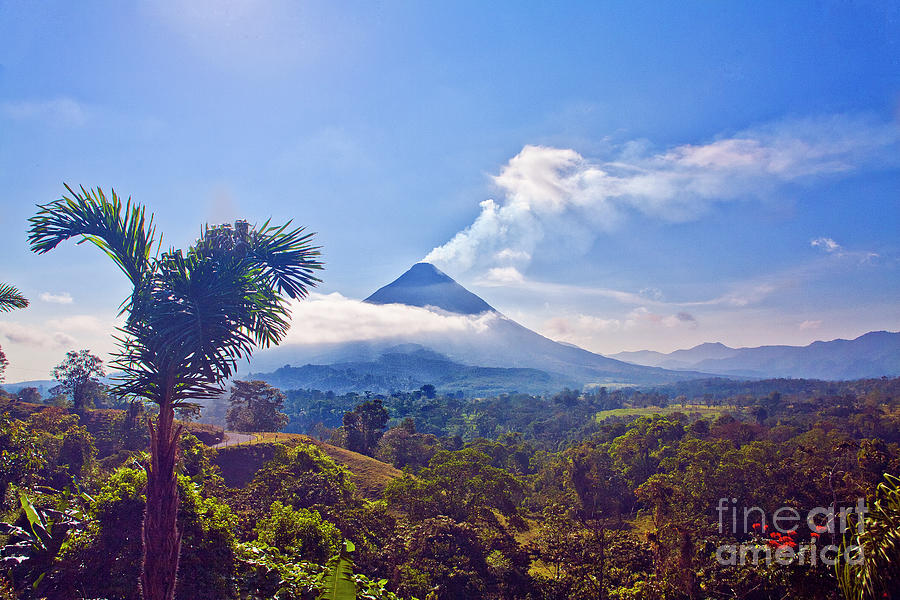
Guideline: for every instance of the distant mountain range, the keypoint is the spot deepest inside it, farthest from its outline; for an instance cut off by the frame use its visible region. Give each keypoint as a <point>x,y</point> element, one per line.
<point>526,361</point>
<point>874,354</point>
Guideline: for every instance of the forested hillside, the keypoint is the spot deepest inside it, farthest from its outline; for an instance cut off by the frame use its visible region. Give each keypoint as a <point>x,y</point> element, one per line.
<point>607,494</point>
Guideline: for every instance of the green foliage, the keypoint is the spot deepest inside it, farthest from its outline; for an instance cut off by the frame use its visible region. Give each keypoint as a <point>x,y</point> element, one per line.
<point>299,532</point>
<point>648,440</point>
<point>196,463</point>
<point>363,426</point>
<point>542,421</point>
<point>21,460</point>
<point>265,573</point>
<point>462,485</point>
<point>50,449</point>
<point>207,566</point>
<point>29,395</point>
<point>104,559</point>
<point>575,556</point>
<point>300,477</point>
<point>403,447</point>
<point>873,568</point>
<point>446,560</point>
<point>627,513</point>
<point>10,299</point>
<point>32,548</point>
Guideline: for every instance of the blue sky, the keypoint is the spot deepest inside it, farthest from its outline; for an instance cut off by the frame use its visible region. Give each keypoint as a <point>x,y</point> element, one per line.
<point>659,174</point>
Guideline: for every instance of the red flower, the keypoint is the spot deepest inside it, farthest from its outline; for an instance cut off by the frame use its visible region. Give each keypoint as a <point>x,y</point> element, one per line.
<point>814,534</point>
<point>756,526</point>
<point>821,528</point>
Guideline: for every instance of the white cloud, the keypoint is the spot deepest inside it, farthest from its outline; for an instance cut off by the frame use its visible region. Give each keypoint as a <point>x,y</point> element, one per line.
<point>744,294</point>
<point>510,255</point>
<point>584,329</point>
<point>811,324</point>
<point>741,294</point>
<point>64,111</point>
<point>502,276</point>
<point>63,298</point>
<point>556,202</point>
<point>643,316</point>
<point>652,293</point>
<point>579,327</point>
<point>83,324</point>
<point>830,246</point>
<point>32,336</point>
<point>333,318</point>
<point>56,333</point>
<point>496,277</point>
<point>826,244</point>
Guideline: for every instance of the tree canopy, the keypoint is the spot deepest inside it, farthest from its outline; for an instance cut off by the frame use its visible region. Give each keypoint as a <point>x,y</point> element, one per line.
<point>77,376</point>
<point>255,406</point>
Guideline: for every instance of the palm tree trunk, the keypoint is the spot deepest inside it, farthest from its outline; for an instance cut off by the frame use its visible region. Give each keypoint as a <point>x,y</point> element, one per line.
<point>161,537</point>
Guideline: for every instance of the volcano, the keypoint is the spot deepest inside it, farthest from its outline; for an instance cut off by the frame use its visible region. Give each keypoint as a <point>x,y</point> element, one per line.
<point>427,286</point>
<point>498,343</point>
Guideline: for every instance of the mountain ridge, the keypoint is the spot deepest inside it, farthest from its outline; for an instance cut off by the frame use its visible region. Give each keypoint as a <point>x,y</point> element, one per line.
<point>872,354</point>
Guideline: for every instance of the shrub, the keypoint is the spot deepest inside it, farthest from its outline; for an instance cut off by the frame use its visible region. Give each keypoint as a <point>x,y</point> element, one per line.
<point>300,532</point>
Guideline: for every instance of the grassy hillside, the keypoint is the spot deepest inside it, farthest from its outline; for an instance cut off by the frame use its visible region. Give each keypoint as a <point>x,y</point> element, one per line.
<point>240,462</point>
<point>689,409</point>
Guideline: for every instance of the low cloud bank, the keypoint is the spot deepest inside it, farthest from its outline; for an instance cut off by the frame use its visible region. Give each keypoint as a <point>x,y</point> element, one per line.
<point>333,318</point>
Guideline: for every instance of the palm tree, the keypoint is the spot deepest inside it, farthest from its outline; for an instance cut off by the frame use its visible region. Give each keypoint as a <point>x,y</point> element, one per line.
<point>10,299</point>
<point>191,315</point>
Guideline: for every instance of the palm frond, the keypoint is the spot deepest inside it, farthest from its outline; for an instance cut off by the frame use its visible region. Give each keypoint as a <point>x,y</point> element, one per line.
<point>127,239</point>
<point>11,298</point>
<point>288,258</point>
<point>872,555</point>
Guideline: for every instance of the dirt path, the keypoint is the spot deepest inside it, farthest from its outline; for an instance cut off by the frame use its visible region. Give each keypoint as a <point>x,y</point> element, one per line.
<point>233,437</point>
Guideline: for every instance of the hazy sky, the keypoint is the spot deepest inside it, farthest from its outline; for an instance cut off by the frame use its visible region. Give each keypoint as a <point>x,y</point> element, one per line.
<point>617,175</point>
